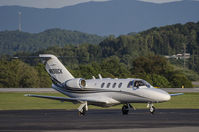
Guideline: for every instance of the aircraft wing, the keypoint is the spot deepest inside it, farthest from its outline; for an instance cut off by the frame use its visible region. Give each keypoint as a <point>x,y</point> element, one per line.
<point>74,100</point>
<point>176,94</point>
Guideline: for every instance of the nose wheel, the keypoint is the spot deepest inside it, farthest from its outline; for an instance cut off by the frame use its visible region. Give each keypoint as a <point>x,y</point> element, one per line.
<point>151,108</point>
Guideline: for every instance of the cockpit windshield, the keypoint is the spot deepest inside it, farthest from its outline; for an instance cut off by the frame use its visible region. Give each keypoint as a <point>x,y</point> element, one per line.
<point>140,84</point>
<point>135,84</point>
<point>147,84</point>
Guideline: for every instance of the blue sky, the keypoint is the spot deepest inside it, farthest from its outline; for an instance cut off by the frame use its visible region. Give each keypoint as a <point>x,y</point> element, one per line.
<point>58,3</point>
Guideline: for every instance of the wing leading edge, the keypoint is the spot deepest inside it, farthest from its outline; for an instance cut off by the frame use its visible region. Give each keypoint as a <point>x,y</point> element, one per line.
<point>73,100</point>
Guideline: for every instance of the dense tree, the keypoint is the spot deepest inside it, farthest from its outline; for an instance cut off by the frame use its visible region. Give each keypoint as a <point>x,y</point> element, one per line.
<point>160,81</point>
<point>44,80</point>
<point>151,65</point>
<point>178,80</point>
<point>159,72</point>
<point>15,73</point>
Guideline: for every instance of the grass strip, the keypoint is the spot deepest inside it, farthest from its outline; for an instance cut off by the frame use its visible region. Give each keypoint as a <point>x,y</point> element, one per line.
<point>17,101</point>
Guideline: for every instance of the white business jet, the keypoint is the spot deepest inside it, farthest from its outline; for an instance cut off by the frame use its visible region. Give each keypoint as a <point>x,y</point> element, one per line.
<point>104,92</point>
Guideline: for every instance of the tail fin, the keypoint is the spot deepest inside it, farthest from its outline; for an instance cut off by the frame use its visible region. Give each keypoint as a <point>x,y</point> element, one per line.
<point>56,69</point>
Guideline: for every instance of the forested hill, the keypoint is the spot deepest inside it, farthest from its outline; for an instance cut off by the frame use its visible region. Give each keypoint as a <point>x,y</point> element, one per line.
<point>15,41</point>
<point>168,40</point>
<point>133,55</point>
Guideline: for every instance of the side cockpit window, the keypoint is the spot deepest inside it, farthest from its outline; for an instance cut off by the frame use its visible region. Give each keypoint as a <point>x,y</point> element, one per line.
<point>130,84</point>
<point>147,84</point>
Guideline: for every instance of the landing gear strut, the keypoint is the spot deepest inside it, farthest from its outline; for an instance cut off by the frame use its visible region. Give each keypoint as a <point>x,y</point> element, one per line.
<point>125,108</point>
<point>83,108</point>
<point>151,108</point>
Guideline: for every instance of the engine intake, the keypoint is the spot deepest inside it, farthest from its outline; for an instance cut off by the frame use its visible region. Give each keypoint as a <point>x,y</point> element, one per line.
<point>76,83</point>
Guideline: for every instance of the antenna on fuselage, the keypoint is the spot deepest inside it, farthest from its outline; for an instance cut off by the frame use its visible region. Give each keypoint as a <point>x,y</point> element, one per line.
<point>100,76</point>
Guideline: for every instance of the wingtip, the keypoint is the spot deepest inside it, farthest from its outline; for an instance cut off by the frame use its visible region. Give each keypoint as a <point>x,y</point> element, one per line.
<point>26,95</point>
<point>176,94</point>
<point>47,56</point>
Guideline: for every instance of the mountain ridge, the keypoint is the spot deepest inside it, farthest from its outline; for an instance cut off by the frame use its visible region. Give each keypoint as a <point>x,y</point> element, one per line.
<point>103,18</point>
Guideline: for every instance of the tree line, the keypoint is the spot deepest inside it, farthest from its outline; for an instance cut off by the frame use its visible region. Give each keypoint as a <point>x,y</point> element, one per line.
<point>154,69</point>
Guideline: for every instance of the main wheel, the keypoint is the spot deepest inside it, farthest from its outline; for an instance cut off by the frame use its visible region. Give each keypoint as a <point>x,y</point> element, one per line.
<point>83,111</point>
<point>125,110</point>
<point>152,109</point>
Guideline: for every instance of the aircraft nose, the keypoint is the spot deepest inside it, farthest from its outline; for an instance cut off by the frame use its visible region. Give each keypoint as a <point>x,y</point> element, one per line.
<point>165,97</point>
<point>162,95</point>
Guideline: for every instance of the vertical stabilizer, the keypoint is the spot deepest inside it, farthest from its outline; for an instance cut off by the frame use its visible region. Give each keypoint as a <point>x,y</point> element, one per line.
<point>56,69</point>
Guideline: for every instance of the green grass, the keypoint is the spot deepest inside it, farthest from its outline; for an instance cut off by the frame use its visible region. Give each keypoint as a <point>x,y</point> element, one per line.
<point>17,101</point>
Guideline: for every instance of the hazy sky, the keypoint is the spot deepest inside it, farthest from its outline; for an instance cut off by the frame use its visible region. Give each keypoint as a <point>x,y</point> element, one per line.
<point>58,3</point>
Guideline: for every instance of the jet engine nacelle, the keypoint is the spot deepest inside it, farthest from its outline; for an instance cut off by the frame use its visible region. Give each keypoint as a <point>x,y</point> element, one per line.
<point>76,83</point>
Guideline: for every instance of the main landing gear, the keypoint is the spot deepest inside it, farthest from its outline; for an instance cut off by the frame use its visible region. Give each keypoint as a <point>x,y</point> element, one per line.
<point>125,108</point>
<point>83,108</point>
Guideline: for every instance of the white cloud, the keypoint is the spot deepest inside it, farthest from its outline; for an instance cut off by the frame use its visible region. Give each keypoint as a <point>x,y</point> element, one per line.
<point>43,3</point>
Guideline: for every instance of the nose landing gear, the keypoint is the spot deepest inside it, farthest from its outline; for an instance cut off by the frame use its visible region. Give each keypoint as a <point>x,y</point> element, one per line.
<point>151,108</point>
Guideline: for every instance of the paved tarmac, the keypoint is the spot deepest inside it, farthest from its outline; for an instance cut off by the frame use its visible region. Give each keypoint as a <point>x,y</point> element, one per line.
<point>100,120</point>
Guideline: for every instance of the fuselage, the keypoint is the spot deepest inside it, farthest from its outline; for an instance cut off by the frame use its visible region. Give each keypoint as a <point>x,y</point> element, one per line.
<point>116,91</point>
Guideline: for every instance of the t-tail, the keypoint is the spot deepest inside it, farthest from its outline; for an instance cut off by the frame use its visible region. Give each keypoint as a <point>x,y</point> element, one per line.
<point>59,74</point>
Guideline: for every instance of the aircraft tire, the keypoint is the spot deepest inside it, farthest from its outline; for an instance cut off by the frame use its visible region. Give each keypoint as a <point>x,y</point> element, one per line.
<point>152,109</point>
<point>125,110</point>
<point>83,111</point>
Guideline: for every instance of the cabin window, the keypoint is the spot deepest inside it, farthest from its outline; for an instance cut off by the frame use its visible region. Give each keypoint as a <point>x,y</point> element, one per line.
<point>108,85</point>
<point>120,85</point>
<point>102,85</point>
<point>130,84</point>
<point>114,84</point>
